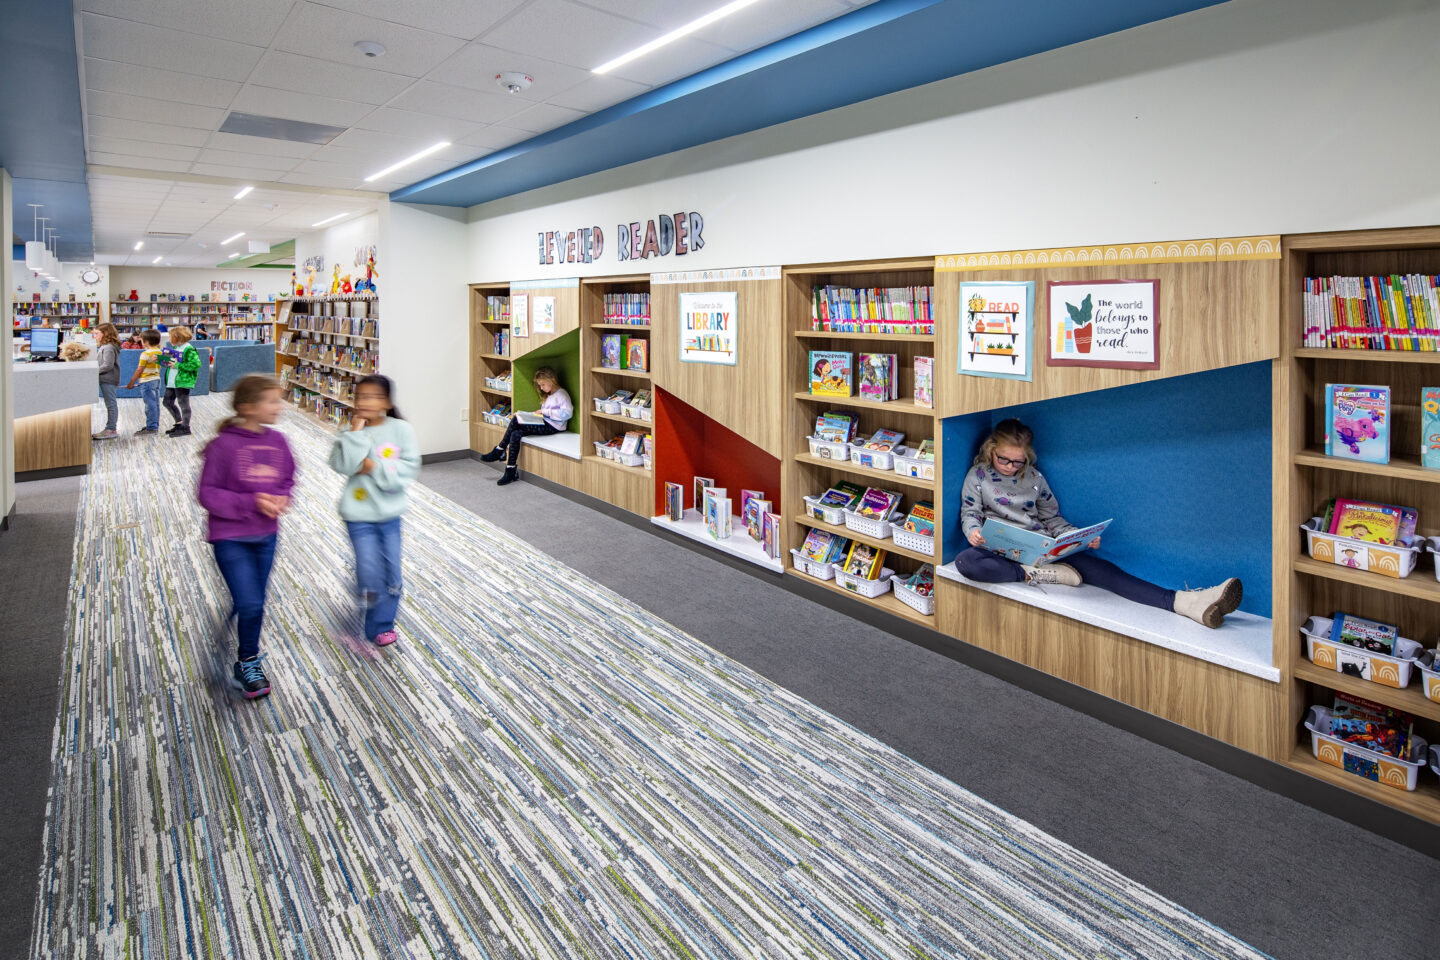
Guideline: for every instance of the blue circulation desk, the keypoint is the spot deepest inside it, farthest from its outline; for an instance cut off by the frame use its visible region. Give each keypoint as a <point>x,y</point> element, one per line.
<point>52,416</point>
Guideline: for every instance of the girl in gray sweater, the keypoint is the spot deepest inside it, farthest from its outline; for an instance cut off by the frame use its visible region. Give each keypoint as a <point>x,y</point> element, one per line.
<point>108,355</point>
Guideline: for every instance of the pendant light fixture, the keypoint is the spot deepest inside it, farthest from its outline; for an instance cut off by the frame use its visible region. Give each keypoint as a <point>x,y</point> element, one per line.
<point>35,249</point>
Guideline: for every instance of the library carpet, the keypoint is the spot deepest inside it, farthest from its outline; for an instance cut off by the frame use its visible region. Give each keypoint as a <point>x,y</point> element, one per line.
<point>537,769</point>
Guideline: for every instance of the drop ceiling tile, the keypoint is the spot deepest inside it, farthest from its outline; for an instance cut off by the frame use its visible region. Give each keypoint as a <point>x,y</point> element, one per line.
<point>456,18</point>
<point>139,163</point>
<point>476,65</point>
<point>568,33</point>
<point>165,85</point>
<point>243,144</point>
<point>142,148</point>
<point>323,180</point>
<point>263,161</point>
<point>543,117</point>
<point>268,102</point>
<point>457,102</point>
<point>672,62</point>
<point>340,171</point>
<point>314,30</point>
<point>357,138</point>
<point>141,130</point>
<point>107,38</point>
<point>104,103</point>
<point>422,129</point>
<point>254,21</point>
<point>342,81</point>
<point>237,173</point>
<point>597,93</point>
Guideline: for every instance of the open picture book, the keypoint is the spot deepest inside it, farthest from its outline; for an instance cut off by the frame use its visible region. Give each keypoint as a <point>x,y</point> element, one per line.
<point>1033,547</point>
<point>531,419</point>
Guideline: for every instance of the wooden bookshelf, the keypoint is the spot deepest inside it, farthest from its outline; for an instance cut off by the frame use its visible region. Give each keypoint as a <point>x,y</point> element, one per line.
<point>887,602</point>
<point>630,487</point>
<point>614,372</point>
<point>316,322</point>
<point>890,337</point>
<point>484,361</point>
<point>885,544</point>
<point>1304,478</point>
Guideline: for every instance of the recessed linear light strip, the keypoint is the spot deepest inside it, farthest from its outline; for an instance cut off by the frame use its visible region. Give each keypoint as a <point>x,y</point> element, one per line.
<point>337,216</point>
<point>140,245</point>
<point>242,193</point>
<point>157,259</point>
<point>411,159</point>
<point>229,240</point>
<point>698,24</point>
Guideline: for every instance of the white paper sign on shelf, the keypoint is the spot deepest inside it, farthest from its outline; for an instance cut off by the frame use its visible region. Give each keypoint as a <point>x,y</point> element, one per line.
<point>519,314</point>
<point>542,317</point>
<point>709,328</point>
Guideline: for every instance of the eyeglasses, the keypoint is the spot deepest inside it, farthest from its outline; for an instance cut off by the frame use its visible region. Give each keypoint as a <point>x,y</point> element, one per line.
<point>1008,462</point>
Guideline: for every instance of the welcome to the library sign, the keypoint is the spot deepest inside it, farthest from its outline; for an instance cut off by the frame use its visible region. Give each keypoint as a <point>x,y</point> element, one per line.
<point>661,236</point>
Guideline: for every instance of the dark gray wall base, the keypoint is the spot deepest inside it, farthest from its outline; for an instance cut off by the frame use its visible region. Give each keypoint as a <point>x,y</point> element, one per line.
<point>6,520</point>
<point>52,473</point>
<point>1371,815</point>
<point>446,456</point>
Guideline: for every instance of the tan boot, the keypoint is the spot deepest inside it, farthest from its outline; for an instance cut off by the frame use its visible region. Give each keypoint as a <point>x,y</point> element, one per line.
<point>1209,606</point>
<point>1052,573</point>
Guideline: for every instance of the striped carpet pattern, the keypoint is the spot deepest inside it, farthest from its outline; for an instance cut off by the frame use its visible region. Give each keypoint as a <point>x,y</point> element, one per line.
<point>537,769</point>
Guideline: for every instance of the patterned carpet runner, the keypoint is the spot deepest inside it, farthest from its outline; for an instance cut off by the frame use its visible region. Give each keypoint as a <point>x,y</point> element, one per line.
<point>537,769</point>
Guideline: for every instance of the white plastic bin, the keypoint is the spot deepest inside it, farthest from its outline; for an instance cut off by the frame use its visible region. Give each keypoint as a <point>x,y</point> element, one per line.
<point>921,604</point>
<point>1370,764</point>
<point>909,540</point>
<point>870,589</point>
<point>1429,676</point>
<point>824,512</point>
<point>1388,560</point>
<point>875,459</point>
<point>914,467</point>
<point>828,449</point>
<point>1366,664</point>
<point>870,526</point>
<point>820,571</point>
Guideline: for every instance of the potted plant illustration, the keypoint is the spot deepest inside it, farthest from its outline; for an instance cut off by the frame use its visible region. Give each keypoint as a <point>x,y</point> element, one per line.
<point>1081,319</point>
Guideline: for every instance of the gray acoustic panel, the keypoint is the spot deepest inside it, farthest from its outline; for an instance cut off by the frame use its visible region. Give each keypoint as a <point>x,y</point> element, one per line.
<point>278,128</point>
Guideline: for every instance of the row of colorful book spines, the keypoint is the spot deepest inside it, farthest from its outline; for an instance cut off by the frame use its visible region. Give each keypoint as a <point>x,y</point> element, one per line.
<point>1402,304</point>
<point>872,303</point>
<point>917,328</point>
<point>637,319</point>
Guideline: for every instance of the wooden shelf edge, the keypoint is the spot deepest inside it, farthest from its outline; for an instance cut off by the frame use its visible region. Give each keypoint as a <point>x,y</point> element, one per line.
<point>894,406</point>
<point>1419,584</point>
<point>1404,468</point>
<point>896,337</point>
<point>878,475</point>
<point>606,461</point>
<point>498,393</point>
<point>639,424</point>
<point>1422,802</point>
<point>640,327</point>
<point>887,545</point>
<point>886,602</point>
<point>1410,699</point>
<point>1384,356</point>
<point>617,372</point>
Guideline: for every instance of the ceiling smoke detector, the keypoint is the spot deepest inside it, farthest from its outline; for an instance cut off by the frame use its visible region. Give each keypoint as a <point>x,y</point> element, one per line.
<point>513,82</point>
<point>370,48</point>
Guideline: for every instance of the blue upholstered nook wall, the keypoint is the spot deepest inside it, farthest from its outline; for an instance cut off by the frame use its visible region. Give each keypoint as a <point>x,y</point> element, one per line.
<point>1182,464</point>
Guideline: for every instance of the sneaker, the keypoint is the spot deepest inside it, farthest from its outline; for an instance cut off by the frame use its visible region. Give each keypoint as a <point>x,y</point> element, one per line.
<point>386,638</point>
<point>104,435</point>
<point>511,475</point>
<point>178,431</point>
<point>147,431</point>
<point>493,455</point>
<point>1208,607</point>
<point>250,678</point>
<point>1053,573</point>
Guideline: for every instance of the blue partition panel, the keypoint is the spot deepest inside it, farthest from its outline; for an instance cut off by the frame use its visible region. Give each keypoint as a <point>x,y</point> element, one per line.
<point>129,359</point>
<point>1182,464</point>
<point>234,359</point>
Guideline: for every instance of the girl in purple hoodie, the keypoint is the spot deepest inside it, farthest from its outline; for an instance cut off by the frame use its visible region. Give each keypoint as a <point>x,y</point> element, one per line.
<point>245,486</point>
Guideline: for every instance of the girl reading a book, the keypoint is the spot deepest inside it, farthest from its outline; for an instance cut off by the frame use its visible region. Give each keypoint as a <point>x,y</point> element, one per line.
<point>1003,483</point>
<point>554,413</point>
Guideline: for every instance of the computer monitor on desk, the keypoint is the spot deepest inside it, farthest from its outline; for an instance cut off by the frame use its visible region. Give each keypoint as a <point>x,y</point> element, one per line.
<point>45,343</point>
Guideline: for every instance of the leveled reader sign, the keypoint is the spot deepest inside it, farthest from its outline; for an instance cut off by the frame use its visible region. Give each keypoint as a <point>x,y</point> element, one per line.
<point>997,325</point>
<point>709,328</point>
<point>519,314</point>
<point>1103,323</point>
<point>543,315</point>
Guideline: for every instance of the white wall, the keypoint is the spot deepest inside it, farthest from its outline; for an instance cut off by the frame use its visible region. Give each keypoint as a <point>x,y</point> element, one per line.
<point>190,281</point>
<point>24,283</point>
<point>1251,117</point>
<point>337,245</point>
<point>7,384</point>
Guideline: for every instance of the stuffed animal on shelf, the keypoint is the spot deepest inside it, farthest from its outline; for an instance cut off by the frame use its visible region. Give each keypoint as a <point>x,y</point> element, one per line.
<point>310,280</point>
<point>295,287</point>
<point>365,256</point>
<point>335,281</point>
<point>345,285</point>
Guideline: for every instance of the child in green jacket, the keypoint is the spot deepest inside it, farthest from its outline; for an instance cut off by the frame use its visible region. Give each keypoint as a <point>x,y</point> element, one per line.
<point>182,368</point>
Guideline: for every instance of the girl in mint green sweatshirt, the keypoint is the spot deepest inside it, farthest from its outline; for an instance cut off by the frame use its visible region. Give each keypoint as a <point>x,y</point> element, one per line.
<point>380,455</point>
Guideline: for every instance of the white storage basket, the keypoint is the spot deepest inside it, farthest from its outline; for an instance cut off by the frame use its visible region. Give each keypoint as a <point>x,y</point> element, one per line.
<point>1429,676</point>
<point>824,512</point>
<point>1353,758</point>
<point>1388,560</point>
<point>828,449</point>
<point>605,405</point>
<point>914,467</point>
<point>634,411</point>
<point>630,459</point>
<point>1368,665</point>
<point>870,589</point>
<point>869,526</point>
<point>648,461</point>
<point>921,604</point>
<point>876,459</point>
<point>909,540</point>
<point>820,571</point>
<point>604,450</point>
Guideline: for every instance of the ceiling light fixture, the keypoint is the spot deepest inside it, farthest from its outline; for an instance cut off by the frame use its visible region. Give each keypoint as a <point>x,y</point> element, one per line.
<point>140,245</point>
<point>697,24</point>
<point>230,240</point>
<point>409,160</point>
<point>35,249</point>
<point>158,259</point>
<point>233,255</point>
<point>330,219</point>
<point>241,194</point>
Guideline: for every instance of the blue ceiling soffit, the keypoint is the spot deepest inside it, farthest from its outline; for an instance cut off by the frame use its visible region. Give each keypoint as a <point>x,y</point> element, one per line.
<point>42,141</point>
<point>887,46</point>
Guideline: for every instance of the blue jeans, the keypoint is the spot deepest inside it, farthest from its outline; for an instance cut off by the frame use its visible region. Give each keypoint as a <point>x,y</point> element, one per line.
<point>150,393</point>
<point>112,408</point>
<point>983,566</point>
<point>377,572</point>
<point>245,565</point>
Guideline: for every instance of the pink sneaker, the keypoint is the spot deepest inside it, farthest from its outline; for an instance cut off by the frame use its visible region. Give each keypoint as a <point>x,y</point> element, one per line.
<point>386,638</point>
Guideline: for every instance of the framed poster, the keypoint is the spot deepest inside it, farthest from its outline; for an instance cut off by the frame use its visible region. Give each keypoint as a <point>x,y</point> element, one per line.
<point>542,315</point>
<point>1103,323</point>
<point>709,328</point>
<point>520,314</point>
<point>997,329</point>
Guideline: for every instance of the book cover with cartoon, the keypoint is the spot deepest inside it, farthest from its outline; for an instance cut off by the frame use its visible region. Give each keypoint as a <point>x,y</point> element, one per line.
<point>1357,423</point>
<point>832,373</point>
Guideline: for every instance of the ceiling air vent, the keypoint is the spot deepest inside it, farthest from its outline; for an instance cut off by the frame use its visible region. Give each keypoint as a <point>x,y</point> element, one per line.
<point>277,128</point>
<point>163,235</point>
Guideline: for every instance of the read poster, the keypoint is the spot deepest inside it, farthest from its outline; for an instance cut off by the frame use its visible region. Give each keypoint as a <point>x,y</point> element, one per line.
<point>997,325</point>
<point>709,328</point>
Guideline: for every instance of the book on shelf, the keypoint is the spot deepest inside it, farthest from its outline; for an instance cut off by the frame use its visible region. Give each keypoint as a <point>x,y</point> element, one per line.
<point>631,309</point>
<point>877,504</point>
<point>1366,634</point>
<point>717,515</point>
<point>637,353</point>
<point>1394,312</point>
<point>1372,522</point>
<point>863,561</point>
<point>832,373</point>
<point>498,308</point>
<point>921,519</point>
<point>701,485</point>
<point>674,501</point>
<point>647,444</point>
<point>752,514</point>
<point>922,581</point>
<point>1372,725</point>
<point>641,399</point>
<point>878,377</point>
<point>746,496</point>
<point>1430,427</point>
<point>1033,547</point>
<point>610,351</point>
<point>1357,422</point>
<point>882,310</point>
<point>883,441</point>
<point>925,381</point>
<point>770,534</point>
<point>630,444</point>
<point>926,450</point>
<point>844,494</point>
<point>822,546</point>
<point>837,427</point>
<point>621,396</point>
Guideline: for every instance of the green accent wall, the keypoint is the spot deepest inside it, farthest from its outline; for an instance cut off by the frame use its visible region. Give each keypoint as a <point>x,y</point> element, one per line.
<point>562,353</point>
